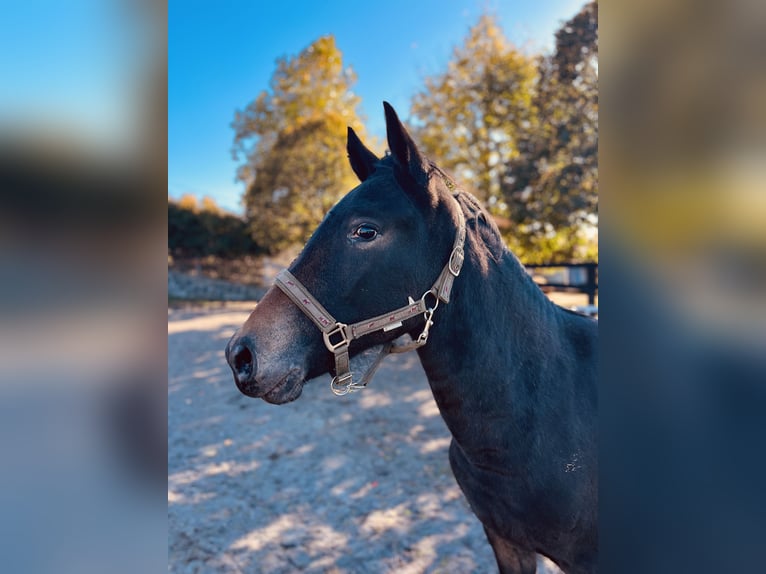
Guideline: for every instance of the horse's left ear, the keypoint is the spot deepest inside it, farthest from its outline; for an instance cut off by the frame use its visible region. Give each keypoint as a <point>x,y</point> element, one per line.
<point>362,160</point>
<point>403,149</point>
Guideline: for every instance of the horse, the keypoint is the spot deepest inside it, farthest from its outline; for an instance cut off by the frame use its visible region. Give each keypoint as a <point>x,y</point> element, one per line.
<point>513,374</point>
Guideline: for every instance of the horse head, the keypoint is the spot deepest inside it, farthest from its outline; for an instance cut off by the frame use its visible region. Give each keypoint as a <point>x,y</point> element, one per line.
<point>379,247</point>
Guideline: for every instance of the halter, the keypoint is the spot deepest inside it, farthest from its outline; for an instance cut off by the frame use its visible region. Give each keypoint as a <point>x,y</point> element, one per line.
<point>338,336</point>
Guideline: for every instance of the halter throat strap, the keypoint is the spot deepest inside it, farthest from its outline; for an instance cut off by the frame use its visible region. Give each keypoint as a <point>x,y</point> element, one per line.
<point>338,336</point>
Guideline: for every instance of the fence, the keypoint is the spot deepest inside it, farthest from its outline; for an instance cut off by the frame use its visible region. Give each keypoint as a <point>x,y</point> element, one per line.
<point>577,277</point>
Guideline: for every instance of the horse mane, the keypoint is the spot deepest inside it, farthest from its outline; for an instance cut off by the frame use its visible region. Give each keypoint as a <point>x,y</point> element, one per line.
<point>490,244</point>
<point>476,216</point>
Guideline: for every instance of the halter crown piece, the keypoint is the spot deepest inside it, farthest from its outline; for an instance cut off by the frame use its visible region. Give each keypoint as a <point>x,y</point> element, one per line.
<point>338,336</point>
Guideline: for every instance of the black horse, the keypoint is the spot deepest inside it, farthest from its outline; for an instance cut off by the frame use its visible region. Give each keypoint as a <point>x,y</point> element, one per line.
<point>514,375</point>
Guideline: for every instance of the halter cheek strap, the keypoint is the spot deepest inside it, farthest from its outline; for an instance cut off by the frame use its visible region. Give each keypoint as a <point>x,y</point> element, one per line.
<point>338,336</point>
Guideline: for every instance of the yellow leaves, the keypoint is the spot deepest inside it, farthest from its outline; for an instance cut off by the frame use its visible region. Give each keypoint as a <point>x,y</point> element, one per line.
<point>188,201</point>
<point>299,133</point>
<point>475,109</point>
<point>505,121</point>
<point>209,205</point>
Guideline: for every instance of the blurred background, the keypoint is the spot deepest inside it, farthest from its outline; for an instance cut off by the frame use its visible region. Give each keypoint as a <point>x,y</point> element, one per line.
<point>87,162</point>
<point>83,164</point>
<point>683,252</point>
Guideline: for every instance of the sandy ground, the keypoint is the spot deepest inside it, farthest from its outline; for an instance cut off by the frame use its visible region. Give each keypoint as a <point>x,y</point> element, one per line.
<point>354,484</point>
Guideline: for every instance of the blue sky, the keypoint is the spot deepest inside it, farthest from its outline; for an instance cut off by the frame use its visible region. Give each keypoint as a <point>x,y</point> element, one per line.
<point>73,69</point>
<point>222,55</point>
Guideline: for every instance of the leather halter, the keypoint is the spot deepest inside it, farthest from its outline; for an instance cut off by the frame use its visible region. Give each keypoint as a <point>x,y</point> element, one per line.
<point>338,336</point>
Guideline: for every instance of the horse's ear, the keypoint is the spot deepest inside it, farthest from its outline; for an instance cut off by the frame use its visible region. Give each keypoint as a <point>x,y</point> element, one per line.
<point>403,149</point>
<point>362,160</point>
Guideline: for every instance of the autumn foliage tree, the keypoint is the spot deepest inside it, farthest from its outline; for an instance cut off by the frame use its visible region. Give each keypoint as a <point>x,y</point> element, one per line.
<point>290,140</point>
<point>522,132</point>
<point>551,187</point>
<point>468,117</point>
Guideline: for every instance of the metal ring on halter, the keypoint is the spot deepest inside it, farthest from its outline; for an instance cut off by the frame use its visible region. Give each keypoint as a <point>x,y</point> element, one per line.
<point>436,298</point>
<point>339,386</point>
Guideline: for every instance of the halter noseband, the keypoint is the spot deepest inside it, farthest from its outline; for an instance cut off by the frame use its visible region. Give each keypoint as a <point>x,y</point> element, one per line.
<point>338,336</point>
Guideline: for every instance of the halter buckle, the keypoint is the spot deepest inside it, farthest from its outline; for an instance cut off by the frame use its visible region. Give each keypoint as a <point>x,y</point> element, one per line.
<point>456,259</point>
<point>339,329</point>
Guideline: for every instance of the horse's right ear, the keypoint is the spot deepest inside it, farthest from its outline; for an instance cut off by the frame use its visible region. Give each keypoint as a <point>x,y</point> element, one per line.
<point>362,160</point>
<point>402,147</point>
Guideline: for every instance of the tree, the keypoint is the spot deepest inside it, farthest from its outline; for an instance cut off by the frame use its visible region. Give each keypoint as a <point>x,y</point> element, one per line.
<point>188,202</point>
<point>194,232</point>
<point>209,204</point>
<point>292,138</point>
<point>551,187</point>
<point>469,115</point>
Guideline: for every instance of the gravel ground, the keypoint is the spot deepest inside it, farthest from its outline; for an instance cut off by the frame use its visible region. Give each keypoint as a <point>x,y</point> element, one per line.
<point>354,484</point>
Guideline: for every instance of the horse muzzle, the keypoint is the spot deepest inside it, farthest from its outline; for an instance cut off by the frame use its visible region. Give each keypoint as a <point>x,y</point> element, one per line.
<point>276,388</point>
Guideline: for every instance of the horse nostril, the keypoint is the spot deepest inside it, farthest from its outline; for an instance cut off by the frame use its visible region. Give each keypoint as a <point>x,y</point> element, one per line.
<point>242,361</point>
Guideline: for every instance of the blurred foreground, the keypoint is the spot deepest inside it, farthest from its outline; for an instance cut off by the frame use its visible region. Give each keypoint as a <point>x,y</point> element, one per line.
<point>82,287</point>
<point>683,266</point>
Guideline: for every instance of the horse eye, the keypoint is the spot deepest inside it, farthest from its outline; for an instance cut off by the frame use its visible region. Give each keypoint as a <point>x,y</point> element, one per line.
<point>366,232</point>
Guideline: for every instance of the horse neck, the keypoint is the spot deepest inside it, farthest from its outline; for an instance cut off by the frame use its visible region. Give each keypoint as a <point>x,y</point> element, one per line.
<point>487,343</point>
